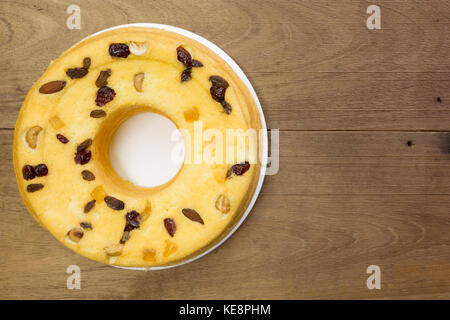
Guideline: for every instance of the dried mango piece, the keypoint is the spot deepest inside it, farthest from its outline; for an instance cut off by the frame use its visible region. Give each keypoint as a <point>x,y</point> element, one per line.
<point>56,122</point>
<point>191,114</point>
<point>149,255</point>
<point>170,248</point>
<point>98,194</point>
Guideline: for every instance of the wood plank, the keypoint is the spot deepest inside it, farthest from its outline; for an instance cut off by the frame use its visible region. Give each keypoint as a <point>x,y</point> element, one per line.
<point>308,101</point>
<point>319,247</point>
<point>313,163</point>
<point>350,191</point>
<point>301,40</point>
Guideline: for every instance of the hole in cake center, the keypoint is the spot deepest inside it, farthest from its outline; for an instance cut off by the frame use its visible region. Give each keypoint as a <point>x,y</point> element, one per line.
<point>145,151</point>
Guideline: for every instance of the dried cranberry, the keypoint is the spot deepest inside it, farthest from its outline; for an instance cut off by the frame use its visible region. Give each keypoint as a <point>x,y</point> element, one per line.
<point>61,138</point>
<point>217,93</point>
<point>170,225</point>
<point>83,156</point>
<point>119,50</point>
<point>104,95</point>
<point>41,170</point>
<point>239,169</point>
<point>184,57</point>
<point>133,219</point>
<point>218,81</point>
<point>28,172</point>
<point>186,75</point>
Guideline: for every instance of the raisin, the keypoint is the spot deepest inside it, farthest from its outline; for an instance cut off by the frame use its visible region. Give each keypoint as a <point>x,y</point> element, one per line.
<point>34,187</point>
<point>170,225</point>
<point>61,138</point>
<point>83,157</point>
<point>86,225</point>
<point>52,87</point>
<point>86,62</point>
<point>196,63</point>
<point>239,169</point>
<point>193,215</point>
<point>114,203</point>
<point>89,206</point>
<point>217,93</point>
<point>102,79</point>
<point>28,172</point>
<point>133,220</point>
<point>76,73</point>
<point>125,237</point>
<point>41,170</point>
<point>226,107</point>
<point>97,113</point>
<point>186,74</point>
<point>87,175</point>
<point>104,95</point>
<point>84,145</point>
<point>218,81</point>
<point>184,57</point>
<point>119,50</point>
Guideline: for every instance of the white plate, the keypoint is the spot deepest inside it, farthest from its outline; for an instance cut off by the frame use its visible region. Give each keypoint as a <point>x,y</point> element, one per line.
<point>244,79</point>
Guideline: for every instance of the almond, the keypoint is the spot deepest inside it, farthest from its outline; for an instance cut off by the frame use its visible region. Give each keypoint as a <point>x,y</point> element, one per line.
<point>193,215</point>
<point>52,87</point>
<point>32,136</point>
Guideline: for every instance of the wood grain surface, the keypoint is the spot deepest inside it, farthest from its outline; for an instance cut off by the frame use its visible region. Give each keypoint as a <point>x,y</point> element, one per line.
<point>351,190</point>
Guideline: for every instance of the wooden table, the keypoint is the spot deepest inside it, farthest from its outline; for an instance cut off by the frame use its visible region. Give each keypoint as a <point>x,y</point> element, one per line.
<point>364,150</point>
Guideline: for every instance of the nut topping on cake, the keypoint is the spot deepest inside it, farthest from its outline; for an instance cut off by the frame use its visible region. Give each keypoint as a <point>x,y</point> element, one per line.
<point>32,136</point>
<point>223,204</point>
<point>52,87</point>
<point>193,215</point>
<point>138,48</point>
<point>138,81</point>
<point>75,234</point>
